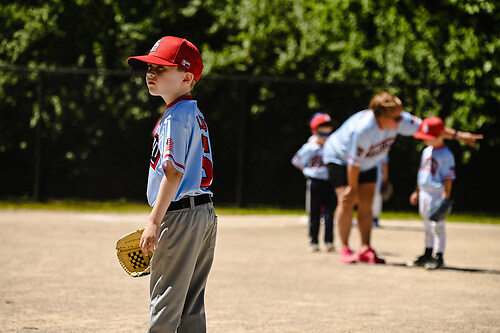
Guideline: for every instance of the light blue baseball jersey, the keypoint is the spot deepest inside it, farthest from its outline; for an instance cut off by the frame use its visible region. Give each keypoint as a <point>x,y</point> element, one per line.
<point>436,165</point>
<point>309,158</point>
<point>361,142</point>
<point>182,138</point>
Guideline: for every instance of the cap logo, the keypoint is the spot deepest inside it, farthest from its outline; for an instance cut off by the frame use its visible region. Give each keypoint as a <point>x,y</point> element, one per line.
<point>156,46</point>
<point>425,128</point>
<point>185,63</point>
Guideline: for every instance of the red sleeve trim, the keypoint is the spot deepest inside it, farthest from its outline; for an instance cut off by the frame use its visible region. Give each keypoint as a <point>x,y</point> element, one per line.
<point>172,157</point>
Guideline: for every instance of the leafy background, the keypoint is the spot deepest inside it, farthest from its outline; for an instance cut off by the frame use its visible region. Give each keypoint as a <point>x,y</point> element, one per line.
<point>75,121</point>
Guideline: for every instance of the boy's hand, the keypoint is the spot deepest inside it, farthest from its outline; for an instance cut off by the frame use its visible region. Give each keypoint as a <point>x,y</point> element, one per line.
<point>414,198</point>
<point>129,254</point>
<point>149,239</point>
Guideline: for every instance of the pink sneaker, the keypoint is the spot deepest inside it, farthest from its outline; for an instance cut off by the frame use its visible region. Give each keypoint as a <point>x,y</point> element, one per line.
<point>370,257</point>
<point>346,256</point>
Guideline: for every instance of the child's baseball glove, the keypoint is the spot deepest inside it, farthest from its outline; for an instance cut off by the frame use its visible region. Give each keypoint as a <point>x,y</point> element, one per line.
<point>386,191</point>
<point>440,210</point>
<point>130,255</point>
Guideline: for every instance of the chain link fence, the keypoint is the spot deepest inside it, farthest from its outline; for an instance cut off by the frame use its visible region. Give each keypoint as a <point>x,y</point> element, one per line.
<point>86,134</point>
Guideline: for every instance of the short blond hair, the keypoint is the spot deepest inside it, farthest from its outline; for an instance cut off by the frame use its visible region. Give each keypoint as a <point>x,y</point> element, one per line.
<point>384,102</point>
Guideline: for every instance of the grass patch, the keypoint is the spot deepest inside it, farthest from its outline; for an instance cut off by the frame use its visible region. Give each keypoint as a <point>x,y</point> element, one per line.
<point>127,206</point>
<point>492,218</point>
<point>226,210</point>
<point>123,205</point>
<point>78,205</point>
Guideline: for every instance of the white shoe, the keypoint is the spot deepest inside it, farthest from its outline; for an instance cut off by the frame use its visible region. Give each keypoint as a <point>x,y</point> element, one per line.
<point>330,247</point>
<point>314,248</point>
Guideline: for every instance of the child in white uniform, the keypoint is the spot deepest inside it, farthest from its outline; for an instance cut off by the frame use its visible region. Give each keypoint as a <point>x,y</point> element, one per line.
<point>434,183</point>
<point>320,195</point>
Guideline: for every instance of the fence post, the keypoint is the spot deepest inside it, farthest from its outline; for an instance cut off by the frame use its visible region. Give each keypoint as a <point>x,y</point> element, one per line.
<point>38,138</point>
<point>240,154</point>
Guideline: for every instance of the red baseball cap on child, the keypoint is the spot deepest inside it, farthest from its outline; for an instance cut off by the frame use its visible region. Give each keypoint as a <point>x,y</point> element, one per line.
<point>319,119</point>
<point>430,129</point>
<point>172,51</point>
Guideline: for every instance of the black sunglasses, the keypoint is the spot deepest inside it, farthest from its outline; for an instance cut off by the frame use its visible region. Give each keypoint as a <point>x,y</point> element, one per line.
<point>323,134</point>
<point>396,119</point>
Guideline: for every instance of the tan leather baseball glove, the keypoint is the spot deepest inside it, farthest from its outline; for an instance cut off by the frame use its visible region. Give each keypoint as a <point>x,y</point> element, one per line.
<point>130,255</point>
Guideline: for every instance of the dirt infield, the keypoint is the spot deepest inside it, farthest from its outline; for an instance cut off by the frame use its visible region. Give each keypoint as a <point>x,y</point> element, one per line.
<point>61,275</point>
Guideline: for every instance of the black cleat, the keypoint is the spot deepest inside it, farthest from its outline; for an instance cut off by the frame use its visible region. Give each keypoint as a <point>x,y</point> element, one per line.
<point>434,263</point>
<point>421,261</point>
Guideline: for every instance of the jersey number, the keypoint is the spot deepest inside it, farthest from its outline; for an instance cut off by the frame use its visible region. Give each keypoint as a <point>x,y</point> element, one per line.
<point>155,153</point>
<point>207,165</point>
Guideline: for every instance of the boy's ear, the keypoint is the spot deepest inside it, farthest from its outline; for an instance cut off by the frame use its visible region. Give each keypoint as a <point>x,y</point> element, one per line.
<point>188,78</point>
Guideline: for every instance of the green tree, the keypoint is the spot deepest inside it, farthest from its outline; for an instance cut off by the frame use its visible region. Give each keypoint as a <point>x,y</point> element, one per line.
<point>55,62</point>
<point>387,44</point>
<point>440,57</point>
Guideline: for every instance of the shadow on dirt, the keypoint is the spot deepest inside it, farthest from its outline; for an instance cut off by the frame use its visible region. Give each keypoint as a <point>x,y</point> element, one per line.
<point>450,268</point>
<point>400,228</point>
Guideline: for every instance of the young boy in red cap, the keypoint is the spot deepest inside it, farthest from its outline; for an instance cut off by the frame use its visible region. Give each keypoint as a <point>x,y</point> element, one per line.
<point>182,226</point>
<point>434,182</point>
<point>320,196</point>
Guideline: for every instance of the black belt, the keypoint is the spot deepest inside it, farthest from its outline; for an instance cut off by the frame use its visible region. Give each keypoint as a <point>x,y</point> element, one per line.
<point>186,202</point>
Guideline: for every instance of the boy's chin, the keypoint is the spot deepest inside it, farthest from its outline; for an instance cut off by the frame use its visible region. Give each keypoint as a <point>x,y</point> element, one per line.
<point>153,92</point>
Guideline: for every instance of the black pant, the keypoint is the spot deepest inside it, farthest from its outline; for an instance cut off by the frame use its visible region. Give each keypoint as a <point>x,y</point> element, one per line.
<point>321,201</point>
<point>338,175</point>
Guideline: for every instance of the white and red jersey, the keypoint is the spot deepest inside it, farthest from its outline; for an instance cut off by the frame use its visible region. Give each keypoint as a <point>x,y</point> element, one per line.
<point>182,138</point>
<point>309,159</point>
<point>436,165</point>
<point>362,143</point>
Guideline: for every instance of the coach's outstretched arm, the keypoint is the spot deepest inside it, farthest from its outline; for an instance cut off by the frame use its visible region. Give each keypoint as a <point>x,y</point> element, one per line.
<point>465,137</point>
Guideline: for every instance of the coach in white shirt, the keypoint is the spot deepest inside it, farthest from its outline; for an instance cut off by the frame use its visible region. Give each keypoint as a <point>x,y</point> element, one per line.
<point>352,153</point>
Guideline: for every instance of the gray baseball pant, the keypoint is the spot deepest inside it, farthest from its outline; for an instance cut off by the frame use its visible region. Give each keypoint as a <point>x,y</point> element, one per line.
<point>180,268</point>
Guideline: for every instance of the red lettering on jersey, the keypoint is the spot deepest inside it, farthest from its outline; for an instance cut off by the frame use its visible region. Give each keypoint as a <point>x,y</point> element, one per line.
<point>206,148</point>
<point>359,151</point>
<point>430,165</point>
<point>209,173</point>
<point>381,147</point>
<point>202,123</point>
<point>207,165</point>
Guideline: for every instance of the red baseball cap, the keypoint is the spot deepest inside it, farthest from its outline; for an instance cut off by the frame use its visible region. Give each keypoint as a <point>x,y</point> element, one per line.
<point>430,129</point>
<point>172,51</point>
<point>319,119</point>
